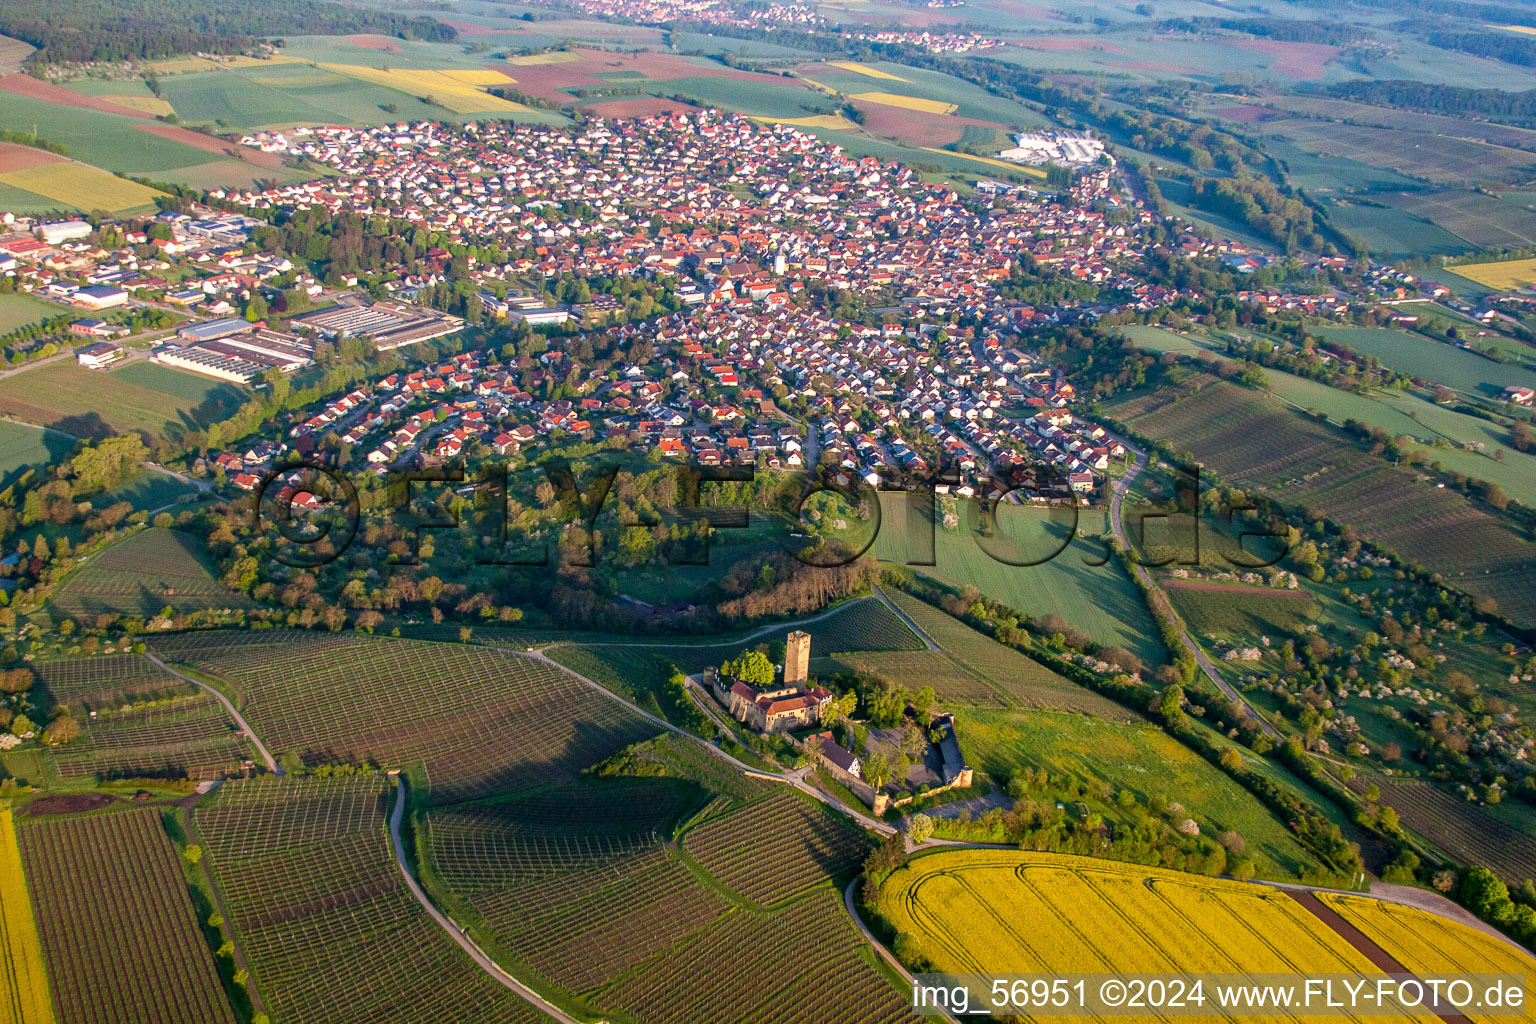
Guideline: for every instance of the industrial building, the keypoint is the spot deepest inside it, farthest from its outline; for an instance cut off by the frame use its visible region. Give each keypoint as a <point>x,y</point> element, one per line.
<point>390,324</point>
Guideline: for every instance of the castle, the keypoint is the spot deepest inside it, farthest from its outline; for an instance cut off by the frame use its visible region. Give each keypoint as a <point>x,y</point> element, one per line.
<point>790,705</point>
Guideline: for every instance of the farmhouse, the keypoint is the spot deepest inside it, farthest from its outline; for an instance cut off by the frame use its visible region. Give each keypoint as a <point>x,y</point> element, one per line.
<point>842,763</point>
<point>1520,395</point>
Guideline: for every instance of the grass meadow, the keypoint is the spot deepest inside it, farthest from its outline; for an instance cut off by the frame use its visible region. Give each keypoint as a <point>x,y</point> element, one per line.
<point>1141,758</point>
<point>1098,599</point>
<point>91,403</point>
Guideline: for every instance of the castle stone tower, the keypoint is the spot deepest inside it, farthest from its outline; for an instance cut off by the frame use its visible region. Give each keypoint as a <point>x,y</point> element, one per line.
<point>797,658</point>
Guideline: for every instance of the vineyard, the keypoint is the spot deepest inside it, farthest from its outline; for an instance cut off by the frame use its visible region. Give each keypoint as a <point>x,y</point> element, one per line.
<point>141,575</point>
<point>192,738</point>
<point>680,758</point>
<point>323,916</point>
<point>1461,829</point>
<point>1426,944</point>
<point>583,884</point>
<point>142,722</point>
<point>23,978</point>
<point>777,847</point>
<point>1252,440</point>
<point>1024,680</point>
<point>952,682</point>
<point>480,721</point>
<point>119,930</point>
<point>574,880</point>
<point>631,671</point>
<point>821,972</point>
<point>1025,913</point>
<point>108,681</point>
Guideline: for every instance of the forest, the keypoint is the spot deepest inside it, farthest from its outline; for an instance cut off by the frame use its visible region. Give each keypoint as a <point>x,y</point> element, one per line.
<point>103,30</point>
<point>1500,104</point>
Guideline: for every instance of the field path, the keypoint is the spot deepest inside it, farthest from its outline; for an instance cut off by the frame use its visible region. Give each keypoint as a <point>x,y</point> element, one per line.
<point>1364,945</point>
<point>261,748</point>
<point>1117,524</point>
<point>869,936</point>
<point>904,617</point>
<point>485,963</point>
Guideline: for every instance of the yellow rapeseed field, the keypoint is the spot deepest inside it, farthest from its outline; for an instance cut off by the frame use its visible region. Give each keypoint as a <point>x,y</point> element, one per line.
<point>143,104</point>
<point>1501,276</point>
<point>1522,29</point>
<point>458,90</point>
<point>865,69</point>
<point>23,979</point>
<point>1001,912</point>
<point>82,186</point>
<point>553,57</point>
<point>1426,943</point>
<point>891,99</point>
<point>819,121</point>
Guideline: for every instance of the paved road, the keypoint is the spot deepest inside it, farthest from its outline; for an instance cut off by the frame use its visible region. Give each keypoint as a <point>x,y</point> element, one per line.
<point>485,963</point>
<point>1117,524</point>
<point>239,720</point>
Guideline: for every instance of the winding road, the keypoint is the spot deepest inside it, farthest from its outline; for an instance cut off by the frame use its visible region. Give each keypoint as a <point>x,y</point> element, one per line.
<point>1117,524</point>
<point>245,727</point>
<point>485,963</point>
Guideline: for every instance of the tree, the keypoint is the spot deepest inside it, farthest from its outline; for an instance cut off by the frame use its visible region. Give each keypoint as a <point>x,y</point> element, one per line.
<point>1481,891</point>
<point>752,668</point>
<point>920,828</point>
<point>61,730</point>
<point>908,949</point>
<point>193,854</point>
<point>1172,704</point>
<point>877,769</point>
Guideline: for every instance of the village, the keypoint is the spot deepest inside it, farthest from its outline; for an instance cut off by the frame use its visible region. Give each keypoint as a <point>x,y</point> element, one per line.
<point>798,306</point>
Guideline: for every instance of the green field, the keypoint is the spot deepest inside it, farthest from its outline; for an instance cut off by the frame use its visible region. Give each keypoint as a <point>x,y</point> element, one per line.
<point>18,310</point>
<point>22,446</point>
<point>90,403</point>
<point>1394,232</point>
<point>1325,174</point>
<point>1021,679</point>
<point>146,491</point>
<point>1098,599</point>
<point>105,140</point>
<point>1418,356</point>
<point>1143,759</point>
<point>1243,613</point>
<point>20,200</point>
